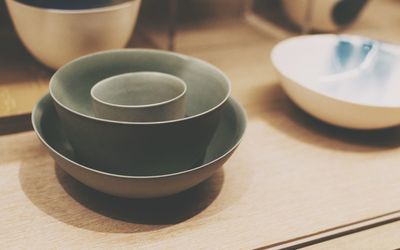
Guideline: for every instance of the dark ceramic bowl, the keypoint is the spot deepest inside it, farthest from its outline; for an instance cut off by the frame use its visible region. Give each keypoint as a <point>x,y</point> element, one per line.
<point>48,127</point>
<point>139,148</point>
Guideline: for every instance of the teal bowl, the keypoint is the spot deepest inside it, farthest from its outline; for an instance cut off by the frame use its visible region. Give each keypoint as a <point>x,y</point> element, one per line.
<point>227,137</point>
<point>139,148</point>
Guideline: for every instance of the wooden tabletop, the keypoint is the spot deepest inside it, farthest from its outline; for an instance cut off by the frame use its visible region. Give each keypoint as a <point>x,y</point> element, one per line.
<point>294,181</point>
<point>382,237</point>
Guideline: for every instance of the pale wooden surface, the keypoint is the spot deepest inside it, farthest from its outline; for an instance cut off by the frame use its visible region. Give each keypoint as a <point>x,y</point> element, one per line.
<point>380,238</point>
<point>293,179</point>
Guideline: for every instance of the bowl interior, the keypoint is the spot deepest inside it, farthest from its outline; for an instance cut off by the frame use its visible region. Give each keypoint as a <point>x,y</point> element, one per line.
<point>228,134</point>
<point>138,89</point>
<point>207,87</point>
<point>349,68</point>
<point>71,5</point>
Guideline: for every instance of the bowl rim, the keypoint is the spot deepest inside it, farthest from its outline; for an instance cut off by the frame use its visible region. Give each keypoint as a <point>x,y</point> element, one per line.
<point>139,106</point>
<point>113,7</point>
<point>134,50</point>
<point>301,83</point>
<point>231,99</point>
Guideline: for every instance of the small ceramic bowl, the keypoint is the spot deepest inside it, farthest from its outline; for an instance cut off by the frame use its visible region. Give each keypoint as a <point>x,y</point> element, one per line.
<point>58,31</point>
<point>227,137</point>
<point>348,81</point>
<point>139,148</point>
<point>139,97</point>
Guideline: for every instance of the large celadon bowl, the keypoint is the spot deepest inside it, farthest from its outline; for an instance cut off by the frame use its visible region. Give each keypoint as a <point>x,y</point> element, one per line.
<point>56,32</point>
<point>49,129</point>
<point>139,148</point>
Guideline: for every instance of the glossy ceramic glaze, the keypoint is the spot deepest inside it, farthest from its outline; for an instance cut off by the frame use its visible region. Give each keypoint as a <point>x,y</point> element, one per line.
<point>323,15</point>
<point>139,148</point>
<point>348,81</point>
<point>227,137</point>
<point>139,97</point>
<point>57,36</point>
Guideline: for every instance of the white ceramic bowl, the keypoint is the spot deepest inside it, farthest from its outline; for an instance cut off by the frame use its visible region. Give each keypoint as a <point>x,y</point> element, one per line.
<point>347,81</point>
<point>57,36</point>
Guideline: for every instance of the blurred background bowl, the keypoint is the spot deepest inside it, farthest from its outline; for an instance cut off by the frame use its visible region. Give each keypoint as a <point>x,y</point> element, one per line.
<point>323,15</point>
<point>56,32</point>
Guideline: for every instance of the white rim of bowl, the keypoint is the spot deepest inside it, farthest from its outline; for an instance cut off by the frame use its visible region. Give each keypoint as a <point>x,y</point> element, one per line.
<point>110,104</point>
<point>183,57</point>
<point>273,56</point>
<point>242,110</point>
<point>79,11</point>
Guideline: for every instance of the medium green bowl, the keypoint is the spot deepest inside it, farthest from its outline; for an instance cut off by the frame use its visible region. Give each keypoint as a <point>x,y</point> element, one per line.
<point>48,127</point>
<point>139,148</point>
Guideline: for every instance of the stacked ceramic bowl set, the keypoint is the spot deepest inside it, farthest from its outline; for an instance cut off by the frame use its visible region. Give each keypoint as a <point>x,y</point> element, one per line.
<point>148,123</point>
<point>136,123</point>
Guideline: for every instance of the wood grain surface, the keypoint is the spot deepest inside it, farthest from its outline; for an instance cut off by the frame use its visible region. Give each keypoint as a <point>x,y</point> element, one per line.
<point>292,180</point>
<point>378,238</point>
